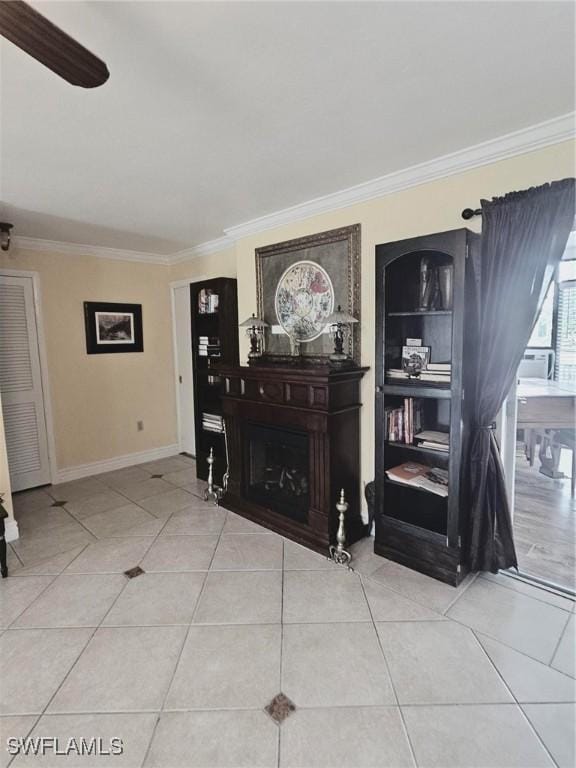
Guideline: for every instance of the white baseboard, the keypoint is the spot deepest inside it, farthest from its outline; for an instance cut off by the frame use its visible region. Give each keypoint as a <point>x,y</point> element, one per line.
<point>11,529</point>
<point>119,462</point>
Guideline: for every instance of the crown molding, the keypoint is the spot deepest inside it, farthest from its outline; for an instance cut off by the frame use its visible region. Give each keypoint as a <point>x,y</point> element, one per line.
<point>203,249</point>
<point>520,142</point>
<point>79,249</point>
<point>535,137</point>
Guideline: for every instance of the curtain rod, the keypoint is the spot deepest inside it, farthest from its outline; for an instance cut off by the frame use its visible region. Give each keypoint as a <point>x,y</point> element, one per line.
<point>469,213</point>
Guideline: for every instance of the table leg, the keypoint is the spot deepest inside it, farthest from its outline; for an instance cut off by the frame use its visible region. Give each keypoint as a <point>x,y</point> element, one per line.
<point>530,445</point>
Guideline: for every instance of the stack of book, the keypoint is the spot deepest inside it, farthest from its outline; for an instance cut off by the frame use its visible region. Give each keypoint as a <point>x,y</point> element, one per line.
<point>214,381</point>
<point>440,372</point>
<point>433,440</point>
<point>207,302</point>
<point>211,422</point>
<point>403,423</point>
<point>415,475</point>
<point>208,346</point>
<point>435,372</point>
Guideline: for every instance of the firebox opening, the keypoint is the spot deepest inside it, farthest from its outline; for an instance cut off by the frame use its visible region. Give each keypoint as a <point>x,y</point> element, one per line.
<point>276,473</point>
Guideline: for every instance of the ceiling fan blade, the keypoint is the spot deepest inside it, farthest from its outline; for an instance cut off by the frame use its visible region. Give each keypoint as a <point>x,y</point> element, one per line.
<point>49,45</point>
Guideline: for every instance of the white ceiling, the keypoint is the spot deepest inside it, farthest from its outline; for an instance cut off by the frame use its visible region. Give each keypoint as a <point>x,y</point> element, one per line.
<point>219,112</point>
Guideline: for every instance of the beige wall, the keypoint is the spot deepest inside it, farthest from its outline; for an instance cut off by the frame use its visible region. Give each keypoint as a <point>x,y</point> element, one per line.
<point>432,207</point>
<point>97,399</point>
<point>221,264</point>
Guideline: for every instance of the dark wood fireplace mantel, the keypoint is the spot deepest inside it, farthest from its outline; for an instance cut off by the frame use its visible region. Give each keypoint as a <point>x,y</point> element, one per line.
<point>316,401</point>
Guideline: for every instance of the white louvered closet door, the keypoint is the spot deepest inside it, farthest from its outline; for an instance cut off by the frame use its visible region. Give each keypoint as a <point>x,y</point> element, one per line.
<point>21,385</point>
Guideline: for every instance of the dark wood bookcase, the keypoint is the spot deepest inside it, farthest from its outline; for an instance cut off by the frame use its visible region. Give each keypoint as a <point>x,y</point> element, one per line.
<point>219,325</point>
<point>413,526</point>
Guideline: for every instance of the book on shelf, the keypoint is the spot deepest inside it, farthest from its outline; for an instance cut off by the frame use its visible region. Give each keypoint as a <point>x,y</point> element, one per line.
<point>207,302</point>
<point>212,422</point>
<point>434,447</point>
<point>414,475</point>
<point>437,376</point>
<point>441,377</point>
<point>433,440</point>
<point>209,346</point>
<point>403,422</point>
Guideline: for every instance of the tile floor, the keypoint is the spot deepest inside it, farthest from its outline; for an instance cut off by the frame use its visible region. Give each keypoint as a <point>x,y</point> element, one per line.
<point>385,667</point>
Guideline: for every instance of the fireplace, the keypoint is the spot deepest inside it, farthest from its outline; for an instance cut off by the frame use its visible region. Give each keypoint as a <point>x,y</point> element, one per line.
<point>276,473</point>
<point>293,443</point>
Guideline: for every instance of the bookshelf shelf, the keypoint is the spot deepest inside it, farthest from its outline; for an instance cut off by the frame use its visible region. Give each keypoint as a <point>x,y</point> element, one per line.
<point>441,457</point>
<point>417,488</point>
<point>415,526</point>
<point>418,390</point>
<point>422,313</point>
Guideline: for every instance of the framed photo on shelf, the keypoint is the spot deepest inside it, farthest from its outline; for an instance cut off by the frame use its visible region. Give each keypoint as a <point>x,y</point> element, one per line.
<point>113,327</point>
<point>300,282</point>
<point>415,359</point>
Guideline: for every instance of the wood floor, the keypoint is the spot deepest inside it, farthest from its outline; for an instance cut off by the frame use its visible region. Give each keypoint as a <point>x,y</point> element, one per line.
<point>544,525</point>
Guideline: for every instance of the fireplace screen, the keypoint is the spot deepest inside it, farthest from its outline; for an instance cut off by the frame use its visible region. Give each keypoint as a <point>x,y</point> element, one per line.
<point>276,473</point>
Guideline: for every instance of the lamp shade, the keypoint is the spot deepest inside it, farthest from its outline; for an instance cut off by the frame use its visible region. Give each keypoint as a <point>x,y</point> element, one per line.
<point>253,322</point>
<point>340,318</point>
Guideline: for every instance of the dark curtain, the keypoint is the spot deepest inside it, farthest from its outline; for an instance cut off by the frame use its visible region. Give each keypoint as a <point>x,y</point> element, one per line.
<point>523,237</point>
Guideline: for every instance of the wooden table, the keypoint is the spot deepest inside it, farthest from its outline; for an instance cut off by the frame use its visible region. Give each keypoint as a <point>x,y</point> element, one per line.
<point>546,409</point>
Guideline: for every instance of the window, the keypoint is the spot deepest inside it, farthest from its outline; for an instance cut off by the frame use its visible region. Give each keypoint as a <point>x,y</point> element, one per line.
<point>565,369</point>
<point>567,270</point>
<point>555,328</point>
<point>542,334</point>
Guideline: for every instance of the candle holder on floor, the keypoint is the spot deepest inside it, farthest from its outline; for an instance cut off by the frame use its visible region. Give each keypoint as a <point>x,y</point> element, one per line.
<point>3,516</point>
<point>337,553</point>
<point>213,491</point>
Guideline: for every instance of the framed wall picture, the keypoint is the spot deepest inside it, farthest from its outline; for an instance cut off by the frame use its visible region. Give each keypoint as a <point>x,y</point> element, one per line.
<point>113,327</point>
<point>300,283</point>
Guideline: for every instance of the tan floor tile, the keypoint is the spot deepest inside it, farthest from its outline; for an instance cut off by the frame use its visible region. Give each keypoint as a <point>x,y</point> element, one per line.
<point>73,601</point>
<point>489,736</point>
<point>122,669</point>
<point>33,664</point>
<point>157,598</point>
<point>214,740</point>
<point>358,737</point>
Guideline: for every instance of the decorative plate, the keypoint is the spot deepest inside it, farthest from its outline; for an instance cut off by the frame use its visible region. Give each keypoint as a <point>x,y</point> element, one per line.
<point>304,299</point>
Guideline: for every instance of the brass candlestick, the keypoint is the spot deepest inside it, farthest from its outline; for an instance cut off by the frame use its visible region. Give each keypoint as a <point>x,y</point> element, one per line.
<point>212,491</point>
<point>337,553</point>
<point>340,323</point>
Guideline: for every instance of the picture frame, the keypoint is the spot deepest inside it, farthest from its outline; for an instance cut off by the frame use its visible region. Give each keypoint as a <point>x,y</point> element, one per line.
<point>334,255</point>
<point>113,327</point>
<point>415,359</point>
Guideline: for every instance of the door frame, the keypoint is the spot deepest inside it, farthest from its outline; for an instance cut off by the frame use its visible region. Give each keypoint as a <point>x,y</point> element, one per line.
<point>173,286</point>
<point>44,380</point>
<point>506,428</point>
